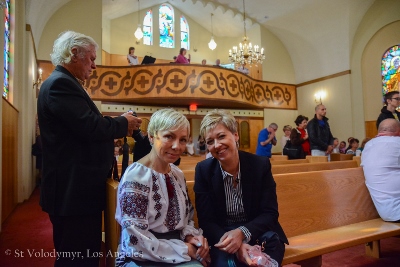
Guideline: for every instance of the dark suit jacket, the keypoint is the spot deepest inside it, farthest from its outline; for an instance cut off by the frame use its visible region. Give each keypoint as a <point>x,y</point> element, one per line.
<point>78,147</point>
<point>259,197</point>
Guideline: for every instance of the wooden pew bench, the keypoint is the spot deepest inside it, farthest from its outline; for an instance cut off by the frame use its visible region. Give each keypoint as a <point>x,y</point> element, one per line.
<point>326,211</point>
<point>292,161</point>
<point>307,167</point>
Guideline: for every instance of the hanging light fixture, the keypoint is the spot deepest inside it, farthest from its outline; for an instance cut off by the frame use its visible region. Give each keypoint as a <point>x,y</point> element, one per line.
<point>246,53</point>
<point>139,32</point>
<point>212,44</point>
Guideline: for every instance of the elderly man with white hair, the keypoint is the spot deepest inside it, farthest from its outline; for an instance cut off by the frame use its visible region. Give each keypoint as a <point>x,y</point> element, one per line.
<point>381,163</point>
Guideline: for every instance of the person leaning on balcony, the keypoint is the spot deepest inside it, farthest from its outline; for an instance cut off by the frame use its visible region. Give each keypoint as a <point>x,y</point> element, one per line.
<point>78,144</point>
<point>131,57</point>
<point>181,57</point>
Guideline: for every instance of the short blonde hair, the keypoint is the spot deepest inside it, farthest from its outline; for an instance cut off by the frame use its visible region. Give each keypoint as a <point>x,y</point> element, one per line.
<point>215,117</point>
<point>287,127</point>
<point>167,119</point>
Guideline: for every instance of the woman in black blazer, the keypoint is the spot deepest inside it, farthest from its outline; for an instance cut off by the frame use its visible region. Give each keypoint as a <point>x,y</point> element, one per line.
<point>236,198</point>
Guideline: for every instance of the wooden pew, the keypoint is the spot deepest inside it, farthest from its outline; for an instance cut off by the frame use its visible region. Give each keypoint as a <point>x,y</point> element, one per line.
<point>292,161</point>
<point>340,157</point>
<point>312,159</point>
<point>307,167</point>
<point>325,211</point>
<point>279,157</point>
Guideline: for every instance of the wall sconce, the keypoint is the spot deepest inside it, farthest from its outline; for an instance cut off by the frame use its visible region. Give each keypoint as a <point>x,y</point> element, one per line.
<point>319,96</point>
<point>39,80</point>
<point>194,49</point>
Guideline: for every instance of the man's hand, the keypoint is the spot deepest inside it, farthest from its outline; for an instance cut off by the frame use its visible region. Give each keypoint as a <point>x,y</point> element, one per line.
<point>133,122</point>
<point>243,255</point>
<point>329,150</point>
<point>231,241</point>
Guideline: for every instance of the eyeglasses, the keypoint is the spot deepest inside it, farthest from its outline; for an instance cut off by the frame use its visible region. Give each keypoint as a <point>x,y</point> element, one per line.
<point>397,98</point>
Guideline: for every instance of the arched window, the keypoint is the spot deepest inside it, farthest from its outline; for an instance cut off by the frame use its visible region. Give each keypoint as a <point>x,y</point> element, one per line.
<point>148,28</point>
<point>391,69</point>
<point>166,23</point>
<point>184,33</point>
<point>6,49</point>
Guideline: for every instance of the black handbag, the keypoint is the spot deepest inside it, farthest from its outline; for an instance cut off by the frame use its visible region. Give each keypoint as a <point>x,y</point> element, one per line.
<point>293,151</point>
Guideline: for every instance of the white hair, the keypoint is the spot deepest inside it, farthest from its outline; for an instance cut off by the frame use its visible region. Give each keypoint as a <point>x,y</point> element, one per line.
<point>167,119</point>
<point>66,41</point>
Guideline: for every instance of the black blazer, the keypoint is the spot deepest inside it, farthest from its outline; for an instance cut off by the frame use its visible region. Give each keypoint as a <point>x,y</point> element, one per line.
<point>259,197</point>
<point>77,146</point>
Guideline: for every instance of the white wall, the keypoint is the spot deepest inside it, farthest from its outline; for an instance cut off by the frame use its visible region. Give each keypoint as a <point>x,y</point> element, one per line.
<point>77,15</point>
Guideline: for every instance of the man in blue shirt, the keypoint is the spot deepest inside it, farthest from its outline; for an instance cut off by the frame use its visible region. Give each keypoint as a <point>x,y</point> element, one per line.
<point>266,139</point>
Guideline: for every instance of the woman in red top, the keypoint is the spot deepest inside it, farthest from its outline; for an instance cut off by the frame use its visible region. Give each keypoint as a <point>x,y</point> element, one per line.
<point>299,135</point>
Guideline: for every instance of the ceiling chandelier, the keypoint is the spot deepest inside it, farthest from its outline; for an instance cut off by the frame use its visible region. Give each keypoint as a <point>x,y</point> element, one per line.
<point>246,52</point>
<point>138,32</point>
<point>212,44</point>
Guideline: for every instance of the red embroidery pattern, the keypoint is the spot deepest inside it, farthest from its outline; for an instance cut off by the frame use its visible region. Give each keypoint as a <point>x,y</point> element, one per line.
<point>173,214</point>
<point>156,197</point>
<point>134,205</point>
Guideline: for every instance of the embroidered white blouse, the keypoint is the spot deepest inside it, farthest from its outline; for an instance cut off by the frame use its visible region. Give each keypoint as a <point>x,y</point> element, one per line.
<point>143,204</point>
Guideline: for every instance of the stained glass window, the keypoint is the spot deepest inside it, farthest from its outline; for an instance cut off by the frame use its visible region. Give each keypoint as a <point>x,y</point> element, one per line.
<point>184,33</point>
<point>148,28</point>
<point>6,48</point>
<point>166,23</point>
<point>391,69</point>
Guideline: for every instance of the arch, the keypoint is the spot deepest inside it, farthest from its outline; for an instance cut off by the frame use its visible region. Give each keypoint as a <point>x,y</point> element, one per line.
<point>185,40</point>
<point>390,69</point>
<point>148,28</point>
<point>166,26</point>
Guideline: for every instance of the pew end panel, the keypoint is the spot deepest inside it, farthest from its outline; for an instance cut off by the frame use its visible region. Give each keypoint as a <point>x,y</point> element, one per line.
<point>325,211</point>
<point>112,227</point>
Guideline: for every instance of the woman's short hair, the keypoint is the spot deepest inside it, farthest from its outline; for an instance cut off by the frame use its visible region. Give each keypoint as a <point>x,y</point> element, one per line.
<point>66,41</point>
<point>287,128</point>
<point>300,119</point>
<point>167,119</point>
<point>181,51</point>
<point>130,49</point>
<point>215,117</point>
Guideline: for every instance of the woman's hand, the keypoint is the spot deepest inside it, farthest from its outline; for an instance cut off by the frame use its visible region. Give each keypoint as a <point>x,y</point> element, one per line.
<point>231,241</point>
<point>201,249</point>
<point>243,255</point>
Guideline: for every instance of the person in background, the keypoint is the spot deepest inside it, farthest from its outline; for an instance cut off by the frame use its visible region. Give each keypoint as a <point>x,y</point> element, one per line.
<point>319,133</point>
<point>132,59</point>
<point>363,143</point>
<point>236,198</point>
<point>380,160</point>
<point>342,147</point>
<point>299,135</point>
<point>286,134</point>
<point>353,145</point>
<point>217,63</point>
<point>203,62</point>
<point>78,143</point>
<point>392,102</point>
<point>335,145</point>
<point>190,147</point>
<point>181,57</point>
<point>153,208</point>
<point>201,145</point>
<point>242,68</point>
<point>125,156</point>
<point>266,139</point>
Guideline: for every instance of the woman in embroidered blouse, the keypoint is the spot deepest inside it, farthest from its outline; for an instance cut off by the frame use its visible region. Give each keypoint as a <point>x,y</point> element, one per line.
<point>153,206</point>
<point>299,135</point>
<point>181,57</point>
<point>236,199</point>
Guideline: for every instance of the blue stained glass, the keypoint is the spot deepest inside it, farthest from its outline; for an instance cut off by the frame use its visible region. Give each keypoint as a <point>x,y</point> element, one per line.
<point>148,28</point>
<point>6,49</point>
<point>390,68</point>
<point>184,33</point>
<point>166,25</point>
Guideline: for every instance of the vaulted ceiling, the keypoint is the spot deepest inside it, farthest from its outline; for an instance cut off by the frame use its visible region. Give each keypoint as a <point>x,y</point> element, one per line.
<point>305,27</point>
